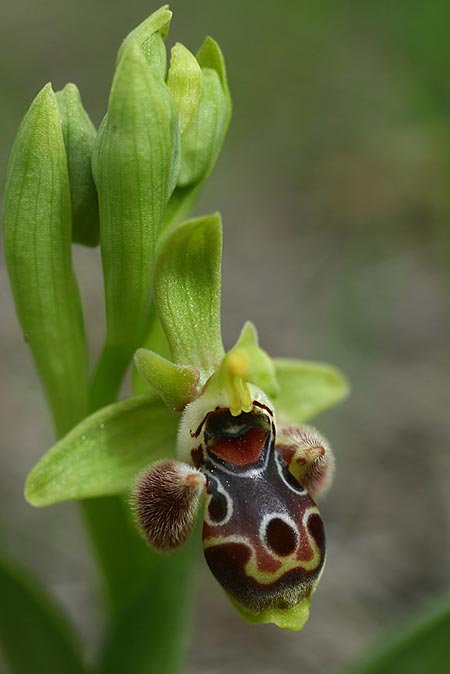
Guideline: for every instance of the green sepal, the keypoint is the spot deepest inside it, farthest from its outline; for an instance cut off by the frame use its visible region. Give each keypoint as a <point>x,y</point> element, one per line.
<point>135,169</point>
<point>176,384</point>
<point>210,56</point>
<point>184,80</point>
<point>37,241</point>
<point>261,368</point>
<point>202,141</point>
<point>35,635</point>
<point>293,619</point>
<point>102,455</point>
<point>187,286</point>
<point>158,22</point>
<point>306,389</point>
<point>79,139</point>
<point>155,52</point>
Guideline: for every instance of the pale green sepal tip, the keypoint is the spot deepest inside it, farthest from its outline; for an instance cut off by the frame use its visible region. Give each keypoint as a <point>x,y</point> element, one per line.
<point>293,619</point>
<point>159,22</point>
<point>261,366</point>
<point>176,384</point>
<point>184,80</point>
<point>102,455</point>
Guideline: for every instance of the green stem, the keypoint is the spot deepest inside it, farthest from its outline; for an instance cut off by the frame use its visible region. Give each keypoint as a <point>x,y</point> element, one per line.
<point>148,593</point>
<point>119,551</point>
<point>108,376</point>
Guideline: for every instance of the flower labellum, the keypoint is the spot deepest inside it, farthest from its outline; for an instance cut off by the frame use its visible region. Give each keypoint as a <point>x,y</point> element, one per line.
<point>263,536</point>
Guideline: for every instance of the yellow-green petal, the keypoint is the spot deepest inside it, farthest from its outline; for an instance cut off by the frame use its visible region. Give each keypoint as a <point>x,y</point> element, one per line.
<point>176,384</point>
<point>306,389</point>
<point>184,80</point>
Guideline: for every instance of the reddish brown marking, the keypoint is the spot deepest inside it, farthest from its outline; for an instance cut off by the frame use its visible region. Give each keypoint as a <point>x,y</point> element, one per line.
<point>196,433</point>
<point>286,451</point>
<point>241,451</point>
<point>262,407</point>
<point>197,456</point>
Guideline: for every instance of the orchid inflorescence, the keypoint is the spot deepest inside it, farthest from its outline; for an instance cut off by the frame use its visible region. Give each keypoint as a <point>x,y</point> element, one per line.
<point>204,428</point>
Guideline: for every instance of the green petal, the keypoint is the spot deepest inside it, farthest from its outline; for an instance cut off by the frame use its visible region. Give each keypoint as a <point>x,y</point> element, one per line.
<point>35,635</point>
<point>176,384</point>
<point>37,237</point>
<point>261,366</point>
<point>102,455</point>
<point>134,168</point>
<point>79,139</point>
<point>185,83</point>
<point>187,292</point>
<point>306,389</point>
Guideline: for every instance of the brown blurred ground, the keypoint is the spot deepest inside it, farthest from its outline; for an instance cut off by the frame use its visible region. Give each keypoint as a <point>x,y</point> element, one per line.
<point>334,188</point>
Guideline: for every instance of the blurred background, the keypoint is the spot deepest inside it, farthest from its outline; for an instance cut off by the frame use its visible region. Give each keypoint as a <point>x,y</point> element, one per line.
<point>334,189</point>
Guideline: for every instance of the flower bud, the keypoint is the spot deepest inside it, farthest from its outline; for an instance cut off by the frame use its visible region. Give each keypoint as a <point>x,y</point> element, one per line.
<point>203,137</point>
<point>37,236</point>
<point>79,138</point>
<point>135,171</point>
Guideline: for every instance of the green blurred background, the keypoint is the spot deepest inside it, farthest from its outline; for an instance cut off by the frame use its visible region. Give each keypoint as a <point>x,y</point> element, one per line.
<point>334,189</point>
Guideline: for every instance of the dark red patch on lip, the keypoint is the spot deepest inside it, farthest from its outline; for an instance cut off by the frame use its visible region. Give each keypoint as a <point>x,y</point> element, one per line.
<point>281,537</point>
<point>241,451</point>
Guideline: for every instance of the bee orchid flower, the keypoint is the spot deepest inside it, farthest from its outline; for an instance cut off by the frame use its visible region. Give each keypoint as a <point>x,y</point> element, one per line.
<point>220,432</point>
<point>206,429</point>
